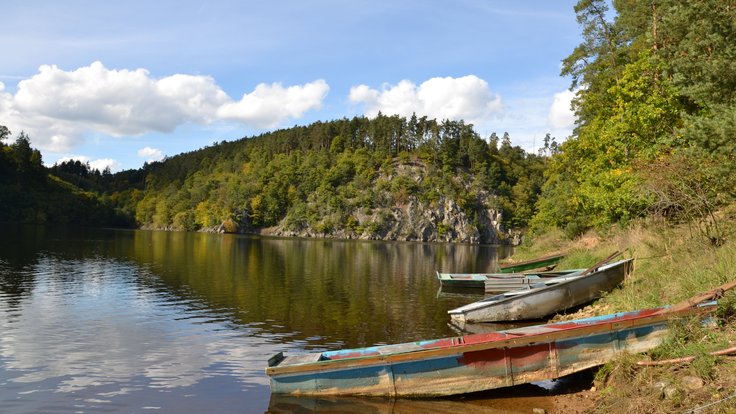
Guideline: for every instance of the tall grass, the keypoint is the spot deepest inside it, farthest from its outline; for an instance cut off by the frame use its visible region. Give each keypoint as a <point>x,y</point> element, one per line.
<point>671,264</point>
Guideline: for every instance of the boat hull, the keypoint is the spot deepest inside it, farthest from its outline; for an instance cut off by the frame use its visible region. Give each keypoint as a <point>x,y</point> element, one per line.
<point>499,282</point>
<point>474,362</point>
<point>539,263</point>
<point>539,303</point>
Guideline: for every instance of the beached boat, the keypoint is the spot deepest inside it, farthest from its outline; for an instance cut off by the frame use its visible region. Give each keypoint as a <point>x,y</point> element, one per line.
<point>525,304</point>
<point>479,362</point>
<point>545,262</point>
<point>498,282</point>
<point>533,282</point>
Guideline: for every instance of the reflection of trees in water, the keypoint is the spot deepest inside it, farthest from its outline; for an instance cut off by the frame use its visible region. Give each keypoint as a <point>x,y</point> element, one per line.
<point>322,291</point>
<point>19,253</point>
<point>344,293</point>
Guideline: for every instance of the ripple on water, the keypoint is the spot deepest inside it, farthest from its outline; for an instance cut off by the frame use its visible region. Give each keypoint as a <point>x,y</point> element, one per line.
<point>89,328</point>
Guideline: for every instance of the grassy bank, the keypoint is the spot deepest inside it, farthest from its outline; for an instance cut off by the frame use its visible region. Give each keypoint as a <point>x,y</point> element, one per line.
<point>672,263</point>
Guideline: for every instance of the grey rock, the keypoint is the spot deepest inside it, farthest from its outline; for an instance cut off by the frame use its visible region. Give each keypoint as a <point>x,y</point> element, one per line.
<point>658,388</point>
<point>692,383</point>
<point>671,392</point>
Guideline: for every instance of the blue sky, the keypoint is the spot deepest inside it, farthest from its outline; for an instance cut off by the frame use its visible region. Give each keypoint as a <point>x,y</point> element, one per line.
<point>121,83</point>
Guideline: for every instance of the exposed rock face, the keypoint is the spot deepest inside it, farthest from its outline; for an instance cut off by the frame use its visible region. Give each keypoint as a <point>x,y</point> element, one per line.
<point>404,218</point>
<point>414,221</point>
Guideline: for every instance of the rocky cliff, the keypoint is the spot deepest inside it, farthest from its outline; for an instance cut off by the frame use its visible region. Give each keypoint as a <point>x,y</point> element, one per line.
<point>407,218</point>
<point>413,221</point>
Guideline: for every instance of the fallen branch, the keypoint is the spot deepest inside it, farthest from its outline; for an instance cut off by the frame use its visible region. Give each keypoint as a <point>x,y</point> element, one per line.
<point>709,295</point>
<point>684,360</point>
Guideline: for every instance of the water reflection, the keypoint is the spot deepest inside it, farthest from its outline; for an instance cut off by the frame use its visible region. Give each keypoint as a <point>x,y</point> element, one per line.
<point>89,327</point>
<point>302,405</point>
<point>316,291</point>
<point>135,320</point>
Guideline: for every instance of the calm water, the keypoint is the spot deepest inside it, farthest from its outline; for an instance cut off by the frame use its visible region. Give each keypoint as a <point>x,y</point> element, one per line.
<point>137,321</point>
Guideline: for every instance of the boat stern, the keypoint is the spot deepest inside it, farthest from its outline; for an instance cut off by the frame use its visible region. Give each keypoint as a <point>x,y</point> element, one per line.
<point>276,359</point>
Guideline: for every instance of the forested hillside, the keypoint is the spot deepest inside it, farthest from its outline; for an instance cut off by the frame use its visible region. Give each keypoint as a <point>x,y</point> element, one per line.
<point>655,102</point>
<point>30,195</point>
<point>386,177</point>
<point>656,108</point>
<point>383,178</point>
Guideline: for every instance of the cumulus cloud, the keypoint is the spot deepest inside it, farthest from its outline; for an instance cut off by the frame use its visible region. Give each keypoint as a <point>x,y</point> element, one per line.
<point>150,154</point>
<point>58,108</point>
<point>97,164</point>
<point>268,105</point>
<point>468,98</point>
<point>560,113</point>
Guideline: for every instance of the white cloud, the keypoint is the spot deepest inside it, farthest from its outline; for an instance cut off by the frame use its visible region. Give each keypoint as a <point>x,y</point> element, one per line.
<point>269,105</point>
<point>102,163</point>
<point>151,154</point>
<point>467,98</point>
<point>97,164</point>
<point>57,108</point>
<point>560,114</point>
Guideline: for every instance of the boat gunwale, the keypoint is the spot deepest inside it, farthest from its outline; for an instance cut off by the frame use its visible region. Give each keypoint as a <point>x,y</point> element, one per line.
<point>617,322</point>
<point>442,277</point>
<point>532,261</point>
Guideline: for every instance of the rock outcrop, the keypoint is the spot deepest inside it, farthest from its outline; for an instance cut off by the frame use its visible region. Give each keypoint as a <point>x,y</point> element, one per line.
<point>405,218</point>
<point>413,221</point>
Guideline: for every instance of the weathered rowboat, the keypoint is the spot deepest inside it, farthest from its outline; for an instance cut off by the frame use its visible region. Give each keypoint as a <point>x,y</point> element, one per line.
<point>527,304</point>
<point>496,286</point>
<point>498,282</point>
<point>538,263</point>
<point>478,362</point>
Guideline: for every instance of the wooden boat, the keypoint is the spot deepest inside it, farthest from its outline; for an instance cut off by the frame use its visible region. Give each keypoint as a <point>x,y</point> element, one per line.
<point>534,282</point>
<point>527,304</point>
<point>478,362</point>
<point>539,263</point>
<point>498,282</point>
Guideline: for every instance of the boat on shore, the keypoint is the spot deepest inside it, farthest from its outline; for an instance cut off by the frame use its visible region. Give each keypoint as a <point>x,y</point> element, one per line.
<point>471,363</point>
<point>545,262</point>
<point>499,282</point>
<point>529,304</point>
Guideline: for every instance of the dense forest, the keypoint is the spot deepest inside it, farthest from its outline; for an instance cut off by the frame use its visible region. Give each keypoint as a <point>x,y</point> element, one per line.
<point>30,193</point>
<point>344,174</point>
<point>655,87</point>
<point>346,178</point>
<point>656,117</point>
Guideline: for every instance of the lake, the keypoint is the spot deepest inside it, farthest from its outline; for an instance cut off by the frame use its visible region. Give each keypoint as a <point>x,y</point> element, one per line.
<point>96,320</point>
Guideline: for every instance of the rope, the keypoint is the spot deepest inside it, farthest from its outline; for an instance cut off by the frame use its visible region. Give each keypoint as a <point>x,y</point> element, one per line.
<point>702,407</point>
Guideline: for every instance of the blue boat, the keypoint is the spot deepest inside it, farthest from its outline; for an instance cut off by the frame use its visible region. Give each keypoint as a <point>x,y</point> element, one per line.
<point>464,364</point>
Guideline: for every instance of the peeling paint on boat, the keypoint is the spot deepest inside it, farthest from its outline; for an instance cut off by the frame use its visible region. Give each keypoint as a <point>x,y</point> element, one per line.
<point>471,363</point>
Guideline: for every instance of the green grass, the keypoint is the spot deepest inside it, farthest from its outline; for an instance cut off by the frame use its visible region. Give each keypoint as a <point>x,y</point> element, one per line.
<point>671,265</point>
